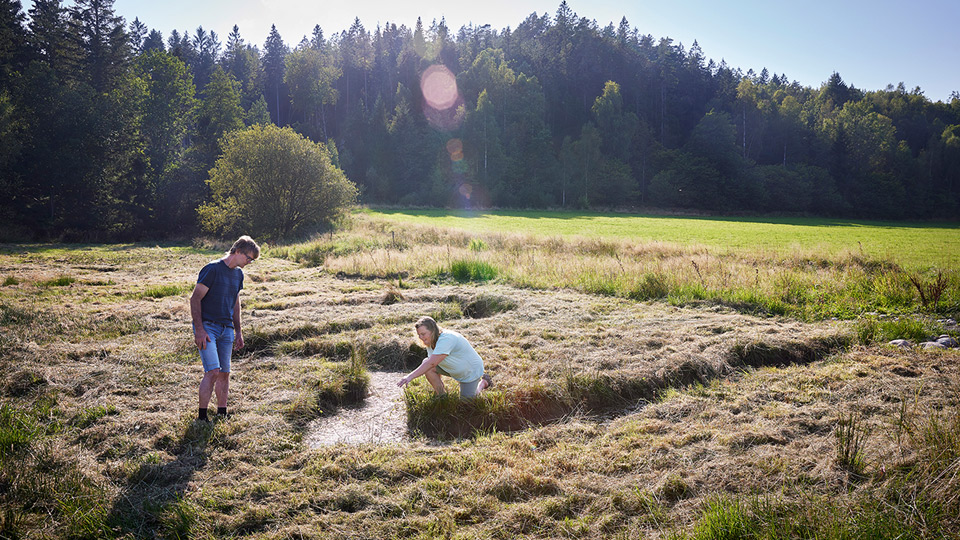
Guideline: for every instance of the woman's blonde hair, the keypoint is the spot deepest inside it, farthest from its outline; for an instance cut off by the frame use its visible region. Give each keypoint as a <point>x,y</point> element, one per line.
<point>431,326</point>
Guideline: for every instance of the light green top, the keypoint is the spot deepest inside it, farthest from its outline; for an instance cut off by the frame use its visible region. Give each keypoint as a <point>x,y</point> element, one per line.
<point>462,361</point>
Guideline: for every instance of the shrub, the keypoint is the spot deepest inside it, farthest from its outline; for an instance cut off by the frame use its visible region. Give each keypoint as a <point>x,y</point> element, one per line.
<point>272,182</point>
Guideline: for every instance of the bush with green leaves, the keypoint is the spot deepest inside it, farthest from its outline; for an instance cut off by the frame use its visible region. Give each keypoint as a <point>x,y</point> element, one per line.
<point>273,183</point>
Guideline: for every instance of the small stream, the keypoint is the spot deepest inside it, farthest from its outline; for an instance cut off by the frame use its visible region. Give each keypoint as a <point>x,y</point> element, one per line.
<point>381,418</point>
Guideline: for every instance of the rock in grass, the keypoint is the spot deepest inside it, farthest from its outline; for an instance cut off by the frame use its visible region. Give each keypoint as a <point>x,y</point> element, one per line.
<point>932,345</point>
<point>948,342</point>
<point>902,343</point>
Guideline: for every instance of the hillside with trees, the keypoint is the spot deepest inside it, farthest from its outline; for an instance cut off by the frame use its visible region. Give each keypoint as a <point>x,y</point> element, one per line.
<point>108,129</point>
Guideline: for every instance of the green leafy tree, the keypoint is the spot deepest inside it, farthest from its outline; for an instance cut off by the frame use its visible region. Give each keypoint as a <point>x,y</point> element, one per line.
<point>169,107</point>
<point>258,113</point>
<point>483,149</point>
<point>169,110</point>
<point>310,75</point>
<point>274,183</point>
<point>950,179</point>
<point>714,140</point>
<point>617,127</point>
<point>588,157</point>
<point>220,112</point>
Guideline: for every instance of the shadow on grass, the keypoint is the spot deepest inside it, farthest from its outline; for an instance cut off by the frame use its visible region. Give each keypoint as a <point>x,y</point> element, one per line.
<point>152,504</point>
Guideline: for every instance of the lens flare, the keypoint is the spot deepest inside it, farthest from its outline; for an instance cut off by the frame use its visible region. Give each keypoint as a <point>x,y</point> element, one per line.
<point>455,149</point>
<point>439,87</point>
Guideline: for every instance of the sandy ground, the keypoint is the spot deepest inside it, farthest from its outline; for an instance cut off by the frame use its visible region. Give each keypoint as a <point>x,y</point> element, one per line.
<point>380,419</point>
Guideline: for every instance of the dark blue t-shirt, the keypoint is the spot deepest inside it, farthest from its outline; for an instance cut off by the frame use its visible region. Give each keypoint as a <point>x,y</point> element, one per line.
<point>224,284</point>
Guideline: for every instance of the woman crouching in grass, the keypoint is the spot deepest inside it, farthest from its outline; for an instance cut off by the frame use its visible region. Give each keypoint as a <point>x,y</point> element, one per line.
<point>450,354</point>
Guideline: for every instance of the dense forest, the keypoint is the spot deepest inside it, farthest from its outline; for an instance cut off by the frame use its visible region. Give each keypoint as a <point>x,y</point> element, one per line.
<point>109,129</point>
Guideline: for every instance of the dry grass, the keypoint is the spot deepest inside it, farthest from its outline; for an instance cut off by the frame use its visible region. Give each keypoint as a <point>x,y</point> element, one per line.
<point>802,284</point>
<point>665,407</point>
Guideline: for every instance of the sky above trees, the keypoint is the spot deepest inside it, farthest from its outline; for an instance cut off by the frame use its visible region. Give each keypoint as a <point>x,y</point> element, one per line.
<point>871,43</point>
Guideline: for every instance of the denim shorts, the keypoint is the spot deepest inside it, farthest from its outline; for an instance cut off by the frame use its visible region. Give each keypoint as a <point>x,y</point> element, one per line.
<point>219,349</point>
<point>468,389</point>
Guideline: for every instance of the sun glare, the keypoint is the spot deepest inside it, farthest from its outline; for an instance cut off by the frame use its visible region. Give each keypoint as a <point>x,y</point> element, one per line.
<point>439,87</point>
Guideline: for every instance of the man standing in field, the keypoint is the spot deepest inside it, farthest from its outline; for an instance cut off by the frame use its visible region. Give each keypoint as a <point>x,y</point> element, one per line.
<point>215,310</point>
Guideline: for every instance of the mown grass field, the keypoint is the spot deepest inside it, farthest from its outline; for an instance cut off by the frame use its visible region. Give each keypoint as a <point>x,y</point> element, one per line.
<point>643,389</point>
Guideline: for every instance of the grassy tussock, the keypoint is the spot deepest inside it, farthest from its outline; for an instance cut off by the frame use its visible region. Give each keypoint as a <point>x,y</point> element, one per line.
<point>161,291</point>
<point>596,392</point>
<point>328,386</point>
<point>871,330</point>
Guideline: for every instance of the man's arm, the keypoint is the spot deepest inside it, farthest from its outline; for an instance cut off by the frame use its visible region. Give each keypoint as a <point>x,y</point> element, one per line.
<point>200,336</point>
<point>238,334</point>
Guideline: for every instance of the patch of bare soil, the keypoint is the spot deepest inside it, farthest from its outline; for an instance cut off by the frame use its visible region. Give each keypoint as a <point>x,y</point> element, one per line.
<point>380,419</point>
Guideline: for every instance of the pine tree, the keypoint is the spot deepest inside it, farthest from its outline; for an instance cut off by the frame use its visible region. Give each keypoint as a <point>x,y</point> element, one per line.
<point>103,41</point>
<point>13,37</point>
<point>274,56</point>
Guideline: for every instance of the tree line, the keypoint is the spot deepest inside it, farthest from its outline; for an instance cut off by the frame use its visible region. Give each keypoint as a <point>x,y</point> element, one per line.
<point>108,128</point>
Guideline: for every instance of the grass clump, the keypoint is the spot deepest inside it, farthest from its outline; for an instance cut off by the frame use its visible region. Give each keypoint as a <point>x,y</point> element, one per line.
<point>61,281</point>
<point>447,416</point>
<point>18,429</point>
<point>10,281</point>
<point>23,383</point>
<point>783,353</point>
<point>88,416</point>
<point>725,518</point>
<point>477,245</point>
<point>652,286</point>
<point>331,385</point>
<point>486,305</point>
<point>162,291</point>
<point>447,311</point>
<point>851,435</point>
<point>466,270</point>
<point>871,330</point>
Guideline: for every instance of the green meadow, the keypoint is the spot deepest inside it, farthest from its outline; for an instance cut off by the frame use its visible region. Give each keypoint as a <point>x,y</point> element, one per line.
<point>913,245</point>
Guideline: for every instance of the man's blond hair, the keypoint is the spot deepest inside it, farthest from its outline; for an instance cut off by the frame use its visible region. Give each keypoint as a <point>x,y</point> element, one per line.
<point>245,244</point>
